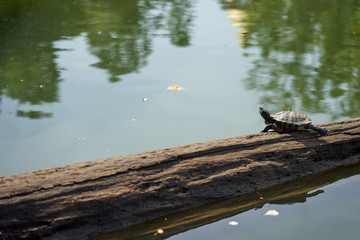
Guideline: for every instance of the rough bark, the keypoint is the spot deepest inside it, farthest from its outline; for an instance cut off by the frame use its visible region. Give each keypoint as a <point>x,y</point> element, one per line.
<point>86,199</point>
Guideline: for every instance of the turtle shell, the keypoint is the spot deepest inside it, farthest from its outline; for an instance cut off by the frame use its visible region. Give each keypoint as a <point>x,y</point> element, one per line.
<point>290,120</point>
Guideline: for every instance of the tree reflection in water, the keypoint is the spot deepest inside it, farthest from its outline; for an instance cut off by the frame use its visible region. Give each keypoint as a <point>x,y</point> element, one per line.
<point>310,53</point>
<point>119,34</point>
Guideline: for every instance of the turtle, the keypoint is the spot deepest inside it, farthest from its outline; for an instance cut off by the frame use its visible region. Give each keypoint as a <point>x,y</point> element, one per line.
<point>289,121</point>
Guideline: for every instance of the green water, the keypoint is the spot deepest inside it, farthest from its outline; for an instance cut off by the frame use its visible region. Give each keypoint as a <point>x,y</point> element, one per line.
<point>81,80</point>
<point>74,75</point>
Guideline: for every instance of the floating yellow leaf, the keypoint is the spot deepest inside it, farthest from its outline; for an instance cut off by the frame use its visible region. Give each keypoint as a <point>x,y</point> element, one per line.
<point>175,88</point>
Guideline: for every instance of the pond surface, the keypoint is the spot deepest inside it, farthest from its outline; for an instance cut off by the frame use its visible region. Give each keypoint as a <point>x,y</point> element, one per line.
<point>82,80</point>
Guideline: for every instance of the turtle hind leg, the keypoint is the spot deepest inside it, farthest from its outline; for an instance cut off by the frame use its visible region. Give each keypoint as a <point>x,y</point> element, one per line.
<point>268,127</point>
<point>321,131</point>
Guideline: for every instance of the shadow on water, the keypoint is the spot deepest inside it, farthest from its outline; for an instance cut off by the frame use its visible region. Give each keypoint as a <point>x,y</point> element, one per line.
<point>119,34</point>
<point>309,53</point>
<point>297,191</point>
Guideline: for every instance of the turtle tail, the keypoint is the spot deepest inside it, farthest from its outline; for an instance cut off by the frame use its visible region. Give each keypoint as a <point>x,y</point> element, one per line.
<point>321,131</point>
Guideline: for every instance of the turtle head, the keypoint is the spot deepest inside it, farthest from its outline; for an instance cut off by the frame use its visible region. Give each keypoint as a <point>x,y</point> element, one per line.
<point>265,114</point>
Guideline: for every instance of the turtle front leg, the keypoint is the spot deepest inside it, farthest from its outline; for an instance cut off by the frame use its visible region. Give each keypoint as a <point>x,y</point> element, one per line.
<point>321,131</point>
<point>268,127</point>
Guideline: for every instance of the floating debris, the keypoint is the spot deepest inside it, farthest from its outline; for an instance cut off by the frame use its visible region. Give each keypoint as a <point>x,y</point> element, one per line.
<point>233,223</point>
<point>82,138</point>
<point>145,99</point>
<point>272,213</point>
<point>133,119</point>
<point>159,231</point>
<point>175,88</point>
<point>260,195</point>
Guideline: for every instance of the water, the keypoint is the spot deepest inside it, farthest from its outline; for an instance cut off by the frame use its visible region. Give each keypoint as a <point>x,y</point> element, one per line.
<point>74,74</point>
<point>75,92</point>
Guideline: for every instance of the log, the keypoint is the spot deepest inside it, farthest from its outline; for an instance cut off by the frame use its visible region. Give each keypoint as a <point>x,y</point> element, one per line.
<point>95,197</point>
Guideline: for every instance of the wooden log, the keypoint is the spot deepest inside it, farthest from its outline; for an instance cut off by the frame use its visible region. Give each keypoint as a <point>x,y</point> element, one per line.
<point>89,198</point>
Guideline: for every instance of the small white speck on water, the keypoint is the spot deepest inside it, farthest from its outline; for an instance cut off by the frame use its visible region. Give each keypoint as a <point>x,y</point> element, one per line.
<point>272,213</point>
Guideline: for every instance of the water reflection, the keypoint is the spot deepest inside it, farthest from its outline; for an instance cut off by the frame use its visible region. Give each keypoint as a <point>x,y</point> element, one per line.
<point>310,53</point>
<point>33,114</point>
<point>119,34</point>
